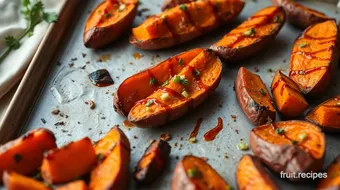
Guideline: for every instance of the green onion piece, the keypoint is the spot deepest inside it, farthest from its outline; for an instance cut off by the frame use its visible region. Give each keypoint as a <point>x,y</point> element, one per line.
<point>192,140</point>
<point>197,72</point>
<point>303,136</point>
<point>277,19</point>
<point>181,62</point>
<point>149,103</point>
<point>165,83</point>
<point>177,79</point>
<point>184,82</point>
<point>280,131</point>
<point>295,142</point>
<point>242,146</point>
<point>302,45</point>
<point>262,91</point>
<point>185,94</point>
<point>165,96</point>
<point>100,157</point>
<point>152,81</point>
<point>194,173</point>
<point>122,7</point>
<point>183,7</point>
<point>163,17</point>
<point>250,32</point>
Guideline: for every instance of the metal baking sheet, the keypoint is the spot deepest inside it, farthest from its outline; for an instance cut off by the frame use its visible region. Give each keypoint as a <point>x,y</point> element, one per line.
<point>68,89</point>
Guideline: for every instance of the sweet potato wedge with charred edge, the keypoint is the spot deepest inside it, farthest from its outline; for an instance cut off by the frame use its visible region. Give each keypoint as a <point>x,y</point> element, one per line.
<point>74,185</point>
<point>152,163</point>
<point>300,15</point>
<point>289,146</point>
<point>108,21</point>
<point>314,57</point>
<point>25,154</point>
<point>144,83</point>
<point>15,181</point>
<point>194,173</point>
<point>184,22</point>
<point>252,35</point>
<point>68,162</point>
<point>113,151</point>
<point>287,96</point>
<point>250,174</point>
<point>193,84</point>
<point>332,181</point>
<point>254,98</point>
<point>326,115</point>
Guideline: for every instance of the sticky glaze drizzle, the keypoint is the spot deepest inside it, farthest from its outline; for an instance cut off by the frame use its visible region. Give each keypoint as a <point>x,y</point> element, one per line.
<point>212,133</point>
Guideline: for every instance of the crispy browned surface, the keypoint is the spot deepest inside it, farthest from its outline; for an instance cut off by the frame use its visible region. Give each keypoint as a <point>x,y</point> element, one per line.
<point>172,3</point>
<point>287,96</point>
<point>74,185</point>
<point>112,172</point>
<point>202,76</point>
<point>332,182</point>
<point>25,154</point>
<point>254,98</point>
<point>252,35</point>
<point>108,21</point>
<point>15,181</point>
<point>194,173</point>
<point>279,151</point>
<point>300,15</point>
<point>326,115</point>
<point>184,22</point>
<point>250,174</point>
<point>138,86</point>
<point>152,163</point>
<point>314,57</point>
<point>68,162</point>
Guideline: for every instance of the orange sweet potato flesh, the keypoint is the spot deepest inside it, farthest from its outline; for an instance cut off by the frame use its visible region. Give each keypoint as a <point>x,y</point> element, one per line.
<point>333,178</point>
<point>138,86</point>
<point>113,170</point>
<point>314,57</point>
<point>68,162</point>
<point>201,76</point>
<point>108,21</point>
<point>252,35</point>
<point>254,98</point>
<point>184,22</point>
<point>289,146</point>
<point>327,114</point>
<point>25,154</point>
<point>15,181</point>
<point>194,173</point>
<point>250,174</point>
<point>287,96</point>
<point>74,185</point>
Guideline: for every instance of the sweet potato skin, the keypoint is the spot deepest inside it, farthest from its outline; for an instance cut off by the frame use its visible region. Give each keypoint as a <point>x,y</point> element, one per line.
<point>164,115</point>
<point>231,54</point>
<point>285,157</point>
<point>251,183</point>
<point>98,36</point>
<point>332,181</point>
<point>145,174</point>
<point>15,181</point>
<point>63,164</point>
<point>256,113</point>
<point>138,86</point>
<point>175,39</point>
<point>25,154</point>
<point>299,15</point>
<point>74,185</point>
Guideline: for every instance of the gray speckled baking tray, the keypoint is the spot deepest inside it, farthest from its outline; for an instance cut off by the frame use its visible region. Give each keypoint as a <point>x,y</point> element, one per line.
<point>68,88</point>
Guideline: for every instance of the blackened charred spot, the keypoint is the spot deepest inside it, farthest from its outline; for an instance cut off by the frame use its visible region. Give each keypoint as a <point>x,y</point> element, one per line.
<point>101,78</point>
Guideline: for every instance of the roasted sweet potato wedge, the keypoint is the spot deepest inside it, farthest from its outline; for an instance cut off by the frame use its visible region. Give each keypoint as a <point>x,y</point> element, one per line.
<point>152,163</point>
<point>68,162</point>
<point>254,98</point>
<point>194,173</point>
<point>144,83</point>
<point>300,15</point>
<point>15,181</point>
<point>250,174</point>
<point>108,21</point>
<point>289,146</point>
<point>252,35</point>
<point>74,185</point>
<point>113,153</point>
<point>314,57</point>
<point>287,96</point>
<point>326,115</point>
<point>184,22</point>
<point>332,181</point>
<point>25,154</point>
<point>188,89</point>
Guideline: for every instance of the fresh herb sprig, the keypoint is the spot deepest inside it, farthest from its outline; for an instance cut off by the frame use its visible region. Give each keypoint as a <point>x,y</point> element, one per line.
<point>34,14</point>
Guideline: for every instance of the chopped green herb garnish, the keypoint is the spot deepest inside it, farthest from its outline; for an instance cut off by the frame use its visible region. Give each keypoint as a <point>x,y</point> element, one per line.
<point>280,131</point>
<point>183,7</point>
<point>295,142</point>
<point>192,140</point>
<point>17,158</point>
<point>122,7</point>
<point>177,79</point>
<point>303,136</point>
<point>262,91</point>
<point>100,157</point>
<point>107,15</point>
<point>277,19</point>
<point>197,72</point>
<point>163,17</point>
<point>149,103</point>
<point>152,81</point>
<point>185,94</point>
<point>250,32</point>
<point>165,83</point>
<point>37,176</point>
<point>242,146</point>
<point>165,96</point>
<point>184,82</point>
<point>194,173</point>
<point>302,45</point>
<point>180,62</point>
<point>270,70</point>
